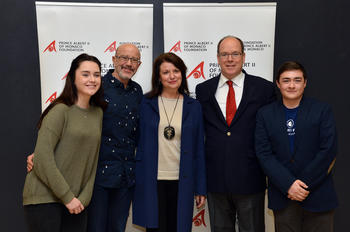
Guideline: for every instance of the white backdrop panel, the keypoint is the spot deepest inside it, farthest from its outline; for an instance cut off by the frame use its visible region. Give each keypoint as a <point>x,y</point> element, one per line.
<point>193,30</point>
<point>67,29</point>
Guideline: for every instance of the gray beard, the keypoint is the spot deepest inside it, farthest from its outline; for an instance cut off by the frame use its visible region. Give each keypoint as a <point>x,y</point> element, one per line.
<point>124,77</point>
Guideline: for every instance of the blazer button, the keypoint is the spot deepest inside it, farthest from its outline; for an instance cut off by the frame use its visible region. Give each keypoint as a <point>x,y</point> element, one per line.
<point>228,133</point>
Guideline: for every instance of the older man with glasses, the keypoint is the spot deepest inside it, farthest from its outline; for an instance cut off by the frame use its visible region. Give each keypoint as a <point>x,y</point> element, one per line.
<point>114,184</point>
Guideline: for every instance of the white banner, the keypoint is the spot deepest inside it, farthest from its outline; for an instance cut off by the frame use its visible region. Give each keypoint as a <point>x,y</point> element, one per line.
<point>192,31</point>
<point>66,30</point>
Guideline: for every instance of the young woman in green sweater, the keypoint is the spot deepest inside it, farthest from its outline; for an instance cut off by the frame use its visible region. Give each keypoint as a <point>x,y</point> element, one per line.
<point>59,187</point>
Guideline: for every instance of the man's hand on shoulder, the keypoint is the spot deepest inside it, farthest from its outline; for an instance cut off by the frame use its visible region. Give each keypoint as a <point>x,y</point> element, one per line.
<point>30,162</point>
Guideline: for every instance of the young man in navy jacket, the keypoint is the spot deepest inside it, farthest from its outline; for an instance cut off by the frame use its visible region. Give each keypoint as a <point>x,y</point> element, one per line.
<point>296,144</point>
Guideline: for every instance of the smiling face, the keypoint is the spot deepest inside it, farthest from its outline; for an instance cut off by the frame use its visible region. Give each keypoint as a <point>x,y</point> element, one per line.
<point>126,62</point>
<point>230,57</point>
<point>87,79</point>
<point>291,84</point>
<point>170,77</point>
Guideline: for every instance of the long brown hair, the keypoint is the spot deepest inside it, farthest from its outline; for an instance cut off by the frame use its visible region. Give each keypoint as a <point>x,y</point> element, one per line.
<point>157,87</point>
<point>69,94</point>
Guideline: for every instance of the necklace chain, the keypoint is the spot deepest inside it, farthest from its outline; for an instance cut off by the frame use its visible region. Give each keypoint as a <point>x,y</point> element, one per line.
<point>173,110</point>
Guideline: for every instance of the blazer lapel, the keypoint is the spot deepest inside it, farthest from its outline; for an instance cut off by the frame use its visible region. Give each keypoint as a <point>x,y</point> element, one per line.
<point>154,104</point>
<point>186,107</point>
<point>213,101</point>
<point>281,125</point>
<point>300,124</point>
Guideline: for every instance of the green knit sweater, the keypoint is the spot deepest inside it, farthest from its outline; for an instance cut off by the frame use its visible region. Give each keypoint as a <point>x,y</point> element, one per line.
<point>66,156</point>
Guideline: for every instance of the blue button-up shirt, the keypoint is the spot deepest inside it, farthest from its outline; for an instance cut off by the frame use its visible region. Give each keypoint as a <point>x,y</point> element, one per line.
<point>120,121</point>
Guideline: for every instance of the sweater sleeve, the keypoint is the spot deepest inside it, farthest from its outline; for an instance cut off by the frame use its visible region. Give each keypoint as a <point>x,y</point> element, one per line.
<point>320,167</point>
<point>44,159</point>
<point>86,193</point>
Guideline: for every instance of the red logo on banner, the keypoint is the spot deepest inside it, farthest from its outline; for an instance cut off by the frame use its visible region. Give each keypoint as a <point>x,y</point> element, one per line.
<point>198,71</point>
<point>65,76</point>
<point>112,47</point>
<point>51,98</point>
<point>198,220</point>
<point>176,47</point>
<point>51,47</point>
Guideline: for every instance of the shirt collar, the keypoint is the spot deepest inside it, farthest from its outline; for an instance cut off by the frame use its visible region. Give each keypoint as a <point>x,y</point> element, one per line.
<point>237,80</point>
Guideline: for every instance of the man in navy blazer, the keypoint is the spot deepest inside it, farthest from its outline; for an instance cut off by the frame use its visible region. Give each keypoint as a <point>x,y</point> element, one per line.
<point>296,144</point>
<point>235,182</point>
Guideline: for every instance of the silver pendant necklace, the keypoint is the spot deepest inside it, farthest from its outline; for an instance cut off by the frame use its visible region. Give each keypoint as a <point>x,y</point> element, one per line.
<point>169,131</point>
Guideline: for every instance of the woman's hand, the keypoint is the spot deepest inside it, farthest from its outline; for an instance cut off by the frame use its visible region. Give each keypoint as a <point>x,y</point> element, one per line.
<point>75,206</point>
<point>200,201</point>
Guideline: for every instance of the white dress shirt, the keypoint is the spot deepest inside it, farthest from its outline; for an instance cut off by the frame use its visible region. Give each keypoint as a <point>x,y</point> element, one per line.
<point>222,91</point>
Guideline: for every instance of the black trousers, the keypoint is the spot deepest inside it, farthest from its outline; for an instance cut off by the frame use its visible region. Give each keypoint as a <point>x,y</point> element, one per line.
<point>294,218</point>
<point>167,206</point>
<point>109,209</point>
<point>225,208</point>
<point>54,217</point>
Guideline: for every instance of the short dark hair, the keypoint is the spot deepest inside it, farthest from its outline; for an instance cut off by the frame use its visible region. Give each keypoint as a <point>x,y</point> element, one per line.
<point>288,66</point>
<point>69,94</point>
<point>230,36</point>
<point>157,87</point>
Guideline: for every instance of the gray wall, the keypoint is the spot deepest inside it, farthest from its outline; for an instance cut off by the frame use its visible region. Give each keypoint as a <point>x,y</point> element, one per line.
<point>314,32</point>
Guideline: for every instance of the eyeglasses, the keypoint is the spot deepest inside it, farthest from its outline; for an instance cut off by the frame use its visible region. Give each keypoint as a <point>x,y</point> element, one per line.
<point>234,55</point>
<point>125,59</point>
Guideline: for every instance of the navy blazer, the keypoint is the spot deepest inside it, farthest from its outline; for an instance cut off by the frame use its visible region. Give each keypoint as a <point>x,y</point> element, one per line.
<point>314,153</point>
<point>232,166</point>
<point>192,176</point>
